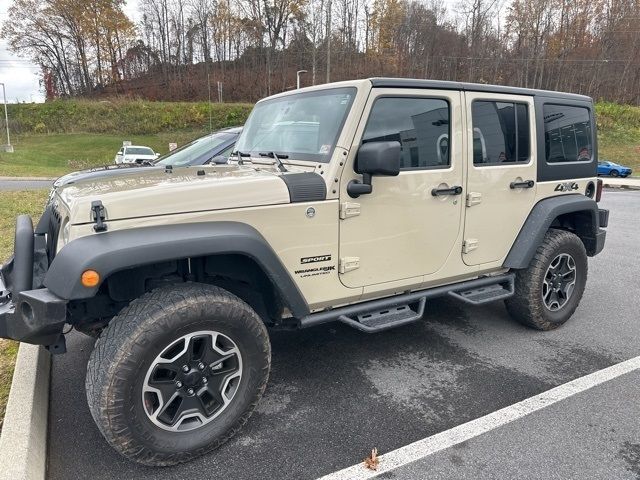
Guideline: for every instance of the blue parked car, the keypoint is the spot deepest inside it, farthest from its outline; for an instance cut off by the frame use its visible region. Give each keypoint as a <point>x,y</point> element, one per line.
<point>613,169</point>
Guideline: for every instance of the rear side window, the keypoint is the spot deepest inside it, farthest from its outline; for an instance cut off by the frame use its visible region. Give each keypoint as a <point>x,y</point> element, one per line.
<point>500,133</point>
<point>567,134</point>
<point>421,125</point>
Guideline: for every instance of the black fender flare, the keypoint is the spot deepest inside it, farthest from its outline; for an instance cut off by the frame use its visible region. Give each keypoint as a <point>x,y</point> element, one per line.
<point>540,219</point>
<point>114,251</point>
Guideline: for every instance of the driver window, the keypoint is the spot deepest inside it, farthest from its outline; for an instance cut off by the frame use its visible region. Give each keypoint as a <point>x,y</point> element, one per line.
<point>421,125</point>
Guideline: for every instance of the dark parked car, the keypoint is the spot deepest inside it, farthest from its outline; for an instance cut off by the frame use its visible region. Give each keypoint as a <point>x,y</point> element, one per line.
<point>214,147</point>
<point>613,169</point>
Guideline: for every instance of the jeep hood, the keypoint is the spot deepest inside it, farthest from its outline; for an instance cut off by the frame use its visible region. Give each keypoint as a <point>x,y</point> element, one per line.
<point>150,192</point>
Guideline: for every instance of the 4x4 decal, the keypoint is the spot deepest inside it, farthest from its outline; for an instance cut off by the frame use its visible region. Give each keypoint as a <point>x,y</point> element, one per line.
<point>566,187</point>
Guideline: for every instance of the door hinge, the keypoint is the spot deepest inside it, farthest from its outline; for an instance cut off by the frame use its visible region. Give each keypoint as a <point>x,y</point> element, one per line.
<point>469,245</point>
<point>473,198</point>
<point>349,209</point>
<point>347,264</point>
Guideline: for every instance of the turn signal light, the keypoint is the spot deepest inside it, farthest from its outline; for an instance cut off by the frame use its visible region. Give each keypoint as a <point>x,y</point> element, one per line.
<point>90,278</point>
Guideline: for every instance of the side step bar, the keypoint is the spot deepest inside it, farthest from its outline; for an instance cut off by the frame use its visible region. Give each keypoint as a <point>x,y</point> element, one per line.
<point>490,293</point>
<point>386,319</point>
<point>390,312</point>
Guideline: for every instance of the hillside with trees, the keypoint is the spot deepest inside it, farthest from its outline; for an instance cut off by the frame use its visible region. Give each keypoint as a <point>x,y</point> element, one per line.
<point>180,49</point>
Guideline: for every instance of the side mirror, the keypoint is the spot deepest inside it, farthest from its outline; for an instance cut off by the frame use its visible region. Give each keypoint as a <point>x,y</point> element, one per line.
<point>375,158</point>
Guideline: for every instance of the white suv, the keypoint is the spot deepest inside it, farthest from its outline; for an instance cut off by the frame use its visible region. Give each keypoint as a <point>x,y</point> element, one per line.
<point>135,154</point>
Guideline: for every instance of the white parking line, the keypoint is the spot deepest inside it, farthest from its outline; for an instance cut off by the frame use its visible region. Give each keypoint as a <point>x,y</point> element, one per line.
<point>443,440</point>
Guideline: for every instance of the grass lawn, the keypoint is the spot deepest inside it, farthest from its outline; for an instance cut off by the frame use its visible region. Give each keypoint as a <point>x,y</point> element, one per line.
<point>621,147</point>
<point>56,154</point>
<point>619,134</point>
<point>11,205</point>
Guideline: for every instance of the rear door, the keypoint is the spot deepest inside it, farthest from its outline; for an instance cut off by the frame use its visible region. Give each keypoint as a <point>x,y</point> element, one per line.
<point>501,173</point>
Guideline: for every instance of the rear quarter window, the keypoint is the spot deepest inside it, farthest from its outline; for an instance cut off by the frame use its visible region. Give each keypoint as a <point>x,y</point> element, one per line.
<point>567,134</point>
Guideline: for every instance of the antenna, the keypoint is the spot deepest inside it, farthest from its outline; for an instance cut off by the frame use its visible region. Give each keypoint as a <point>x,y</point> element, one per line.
<point>209,87</point>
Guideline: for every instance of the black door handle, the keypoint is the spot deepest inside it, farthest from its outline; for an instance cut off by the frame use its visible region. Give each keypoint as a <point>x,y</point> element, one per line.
<point>523,184</point>
<point>437,192</point>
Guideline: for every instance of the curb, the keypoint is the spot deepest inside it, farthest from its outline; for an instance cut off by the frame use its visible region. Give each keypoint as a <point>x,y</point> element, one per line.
<point>621,187</point>
<point>629,183</point>
<point>23,443</point>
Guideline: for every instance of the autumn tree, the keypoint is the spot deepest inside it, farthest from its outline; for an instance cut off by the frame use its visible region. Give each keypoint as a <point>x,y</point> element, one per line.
<point>79,44</point>
<point>255,47</point>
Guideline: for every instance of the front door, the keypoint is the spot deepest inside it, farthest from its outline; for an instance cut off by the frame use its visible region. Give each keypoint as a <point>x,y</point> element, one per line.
<point>501,174</point>
<point>408,226</point>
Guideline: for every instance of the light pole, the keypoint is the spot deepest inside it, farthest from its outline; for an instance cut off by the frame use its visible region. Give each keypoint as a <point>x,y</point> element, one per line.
<point>8,147</point>
<point>298,77</point>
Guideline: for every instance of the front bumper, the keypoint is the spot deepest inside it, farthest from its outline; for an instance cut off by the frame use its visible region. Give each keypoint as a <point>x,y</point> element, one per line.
<point>29,313</point>
<point>34,316</point>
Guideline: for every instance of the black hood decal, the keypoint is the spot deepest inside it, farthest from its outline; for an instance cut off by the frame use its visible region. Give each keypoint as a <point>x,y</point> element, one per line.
<point>305,186</point>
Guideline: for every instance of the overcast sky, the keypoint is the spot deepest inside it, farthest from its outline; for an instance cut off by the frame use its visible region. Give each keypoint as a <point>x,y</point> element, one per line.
<point>18,74</point>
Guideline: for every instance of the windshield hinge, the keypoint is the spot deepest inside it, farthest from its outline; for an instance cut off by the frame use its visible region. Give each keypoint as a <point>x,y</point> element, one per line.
<point>349,209</point>
<point>97,210</point>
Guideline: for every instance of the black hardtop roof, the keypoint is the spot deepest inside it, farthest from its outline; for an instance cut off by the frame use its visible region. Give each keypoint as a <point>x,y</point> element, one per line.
<point>471,87</point>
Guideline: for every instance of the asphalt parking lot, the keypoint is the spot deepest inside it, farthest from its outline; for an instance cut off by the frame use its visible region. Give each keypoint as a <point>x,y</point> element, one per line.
<point>335,393</point>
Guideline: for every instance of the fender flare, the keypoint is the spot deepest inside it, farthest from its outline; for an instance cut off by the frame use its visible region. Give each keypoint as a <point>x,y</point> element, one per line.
<point>540,219</point>
<point>110,252</point>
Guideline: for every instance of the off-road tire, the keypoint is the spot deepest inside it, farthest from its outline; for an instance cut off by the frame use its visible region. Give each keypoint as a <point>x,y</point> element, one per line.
<point>527,306</point>
<point>137,335</point>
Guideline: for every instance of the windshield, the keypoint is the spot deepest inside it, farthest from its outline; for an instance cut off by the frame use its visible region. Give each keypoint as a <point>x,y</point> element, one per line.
<point>303,126</point>
<point>197,152</point>
<point>138,151</point>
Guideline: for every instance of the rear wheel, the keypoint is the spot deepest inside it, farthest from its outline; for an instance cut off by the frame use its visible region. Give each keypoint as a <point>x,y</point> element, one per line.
<point>177,373</point>
<point>549,290</point>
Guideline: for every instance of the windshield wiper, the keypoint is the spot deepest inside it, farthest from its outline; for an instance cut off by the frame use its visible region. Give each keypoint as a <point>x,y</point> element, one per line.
<point>240,154</point>
<point>277,158</point>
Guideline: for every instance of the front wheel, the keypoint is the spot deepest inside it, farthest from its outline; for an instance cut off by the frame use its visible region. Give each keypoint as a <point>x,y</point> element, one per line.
<point>549,290</point>
<point>177,373</point>
<point>614,173</point>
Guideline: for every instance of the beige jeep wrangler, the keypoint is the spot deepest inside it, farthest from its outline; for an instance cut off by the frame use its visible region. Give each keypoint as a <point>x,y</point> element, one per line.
<point>353,202</point>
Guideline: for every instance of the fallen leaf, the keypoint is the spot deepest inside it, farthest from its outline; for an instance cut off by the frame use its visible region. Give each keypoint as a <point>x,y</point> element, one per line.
<point>372,461</point>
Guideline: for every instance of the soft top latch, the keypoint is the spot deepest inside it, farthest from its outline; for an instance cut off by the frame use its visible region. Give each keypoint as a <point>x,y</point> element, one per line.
<point>97,210</point>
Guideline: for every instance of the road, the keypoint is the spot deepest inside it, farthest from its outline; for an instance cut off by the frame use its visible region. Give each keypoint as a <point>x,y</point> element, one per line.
<point>335,393</point>
<point>14,185</point>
